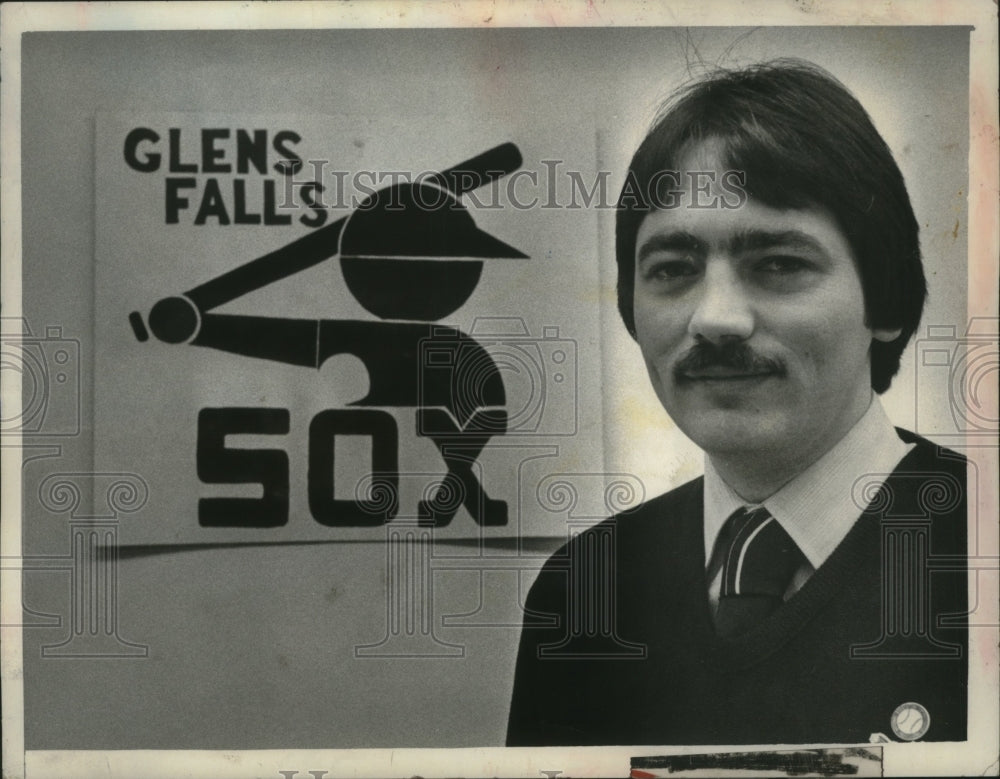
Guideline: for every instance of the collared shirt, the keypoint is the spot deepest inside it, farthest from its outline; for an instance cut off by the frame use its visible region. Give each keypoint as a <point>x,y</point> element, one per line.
<point>818,507</point>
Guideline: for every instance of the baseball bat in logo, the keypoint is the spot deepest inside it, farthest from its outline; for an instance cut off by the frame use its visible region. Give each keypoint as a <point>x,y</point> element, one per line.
<point>411,254</point>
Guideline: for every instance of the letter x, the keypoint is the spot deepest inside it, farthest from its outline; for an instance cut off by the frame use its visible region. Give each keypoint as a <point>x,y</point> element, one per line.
<point>460,448</point>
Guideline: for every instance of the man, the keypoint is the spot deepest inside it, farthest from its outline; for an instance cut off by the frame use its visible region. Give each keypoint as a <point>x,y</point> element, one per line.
<point>769,268</point>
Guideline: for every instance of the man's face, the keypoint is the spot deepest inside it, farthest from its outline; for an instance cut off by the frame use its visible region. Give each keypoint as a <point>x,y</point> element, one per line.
<point>751,321</point>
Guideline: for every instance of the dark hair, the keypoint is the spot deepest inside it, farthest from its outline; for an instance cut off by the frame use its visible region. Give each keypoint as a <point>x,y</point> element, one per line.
<point>802,140</point>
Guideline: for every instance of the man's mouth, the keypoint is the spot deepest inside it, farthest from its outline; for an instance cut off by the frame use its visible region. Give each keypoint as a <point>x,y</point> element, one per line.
<point>722,373</point>
<point>731,362</point>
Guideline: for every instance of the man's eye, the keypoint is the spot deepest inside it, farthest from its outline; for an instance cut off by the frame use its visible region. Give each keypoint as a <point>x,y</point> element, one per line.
<point>671,270</point>
<point>782,265</point>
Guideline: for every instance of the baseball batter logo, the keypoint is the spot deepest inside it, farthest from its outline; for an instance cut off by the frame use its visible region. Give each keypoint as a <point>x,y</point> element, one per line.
<point>411,255</point>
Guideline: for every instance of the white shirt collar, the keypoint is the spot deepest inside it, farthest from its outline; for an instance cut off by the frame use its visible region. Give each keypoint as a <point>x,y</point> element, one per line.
<point>817,508</point>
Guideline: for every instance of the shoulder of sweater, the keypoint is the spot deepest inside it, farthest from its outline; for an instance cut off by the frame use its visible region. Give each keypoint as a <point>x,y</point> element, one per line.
<point>928,453</point>
<point>665,510</point>
<point>662,512</point>
<point>935,478</point>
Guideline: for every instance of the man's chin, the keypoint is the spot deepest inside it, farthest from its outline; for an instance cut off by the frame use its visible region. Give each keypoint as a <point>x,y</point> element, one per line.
<point>729,431</point>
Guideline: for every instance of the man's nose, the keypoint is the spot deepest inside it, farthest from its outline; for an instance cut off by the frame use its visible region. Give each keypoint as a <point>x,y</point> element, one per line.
<point>723,311</point>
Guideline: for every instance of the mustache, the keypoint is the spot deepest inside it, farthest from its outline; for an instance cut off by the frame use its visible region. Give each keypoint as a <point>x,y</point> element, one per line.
<point>734,355</point>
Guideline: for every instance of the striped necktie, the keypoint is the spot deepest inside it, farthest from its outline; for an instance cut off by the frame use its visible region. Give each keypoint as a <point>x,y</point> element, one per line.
<point>760,560</point>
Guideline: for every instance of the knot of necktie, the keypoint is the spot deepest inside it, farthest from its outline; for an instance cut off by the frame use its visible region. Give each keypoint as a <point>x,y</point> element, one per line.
<point>760,560</point>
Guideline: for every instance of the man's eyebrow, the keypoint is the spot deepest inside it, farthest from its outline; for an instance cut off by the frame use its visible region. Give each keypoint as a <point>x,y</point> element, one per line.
<point>755,240</point>
<point>669,242</point>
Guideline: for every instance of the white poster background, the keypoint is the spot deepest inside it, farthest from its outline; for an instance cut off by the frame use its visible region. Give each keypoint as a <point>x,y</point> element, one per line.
<point>148,394</point>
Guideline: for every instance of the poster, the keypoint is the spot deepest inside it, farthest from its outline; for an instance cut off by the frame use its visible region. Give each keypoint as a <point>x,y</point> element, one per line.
<point>268,511</point>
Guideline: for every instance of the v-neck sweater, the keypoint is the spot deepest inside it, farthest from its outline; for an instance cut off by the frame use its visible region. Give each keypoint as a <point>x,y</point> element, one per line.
<point>619,645</point>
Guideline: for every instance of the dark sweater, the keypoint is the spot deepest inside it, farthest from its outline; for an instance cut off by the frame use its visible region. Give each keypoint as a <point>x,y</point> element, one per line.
<point>633,657</point>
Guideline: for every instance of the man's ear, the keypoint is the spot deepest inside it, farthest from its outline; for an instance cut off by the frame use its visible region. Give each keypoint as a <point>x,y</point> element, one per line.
<point>887,336</point>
